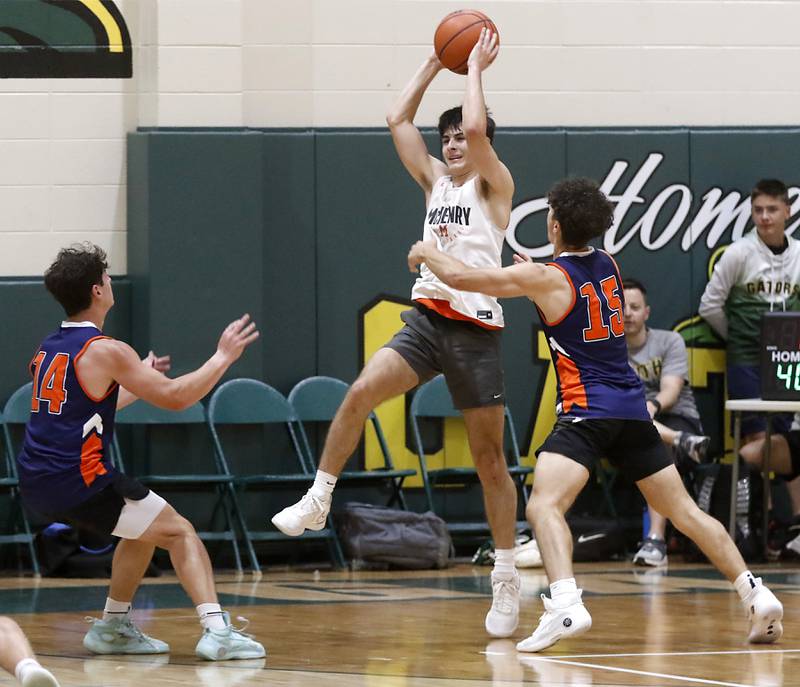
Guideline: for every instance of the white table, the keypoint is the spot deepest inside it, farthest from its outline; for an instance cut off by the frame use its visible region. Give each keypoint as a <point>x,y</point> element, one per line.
<point>768,408</point>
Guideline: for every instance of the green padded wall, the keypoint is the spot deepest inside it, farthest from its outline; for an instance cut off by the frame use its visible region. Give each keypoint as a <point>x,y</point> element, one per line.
<point>31,313</point>
<point>196,242</point>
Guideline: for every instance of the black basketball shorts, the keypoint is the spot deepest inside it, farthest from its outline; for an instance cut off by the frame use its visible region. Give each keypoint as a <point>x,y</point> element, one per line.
<point>124,508</point>
<point>793,440</point>
<point>632,446</point>
<point>468,355</point>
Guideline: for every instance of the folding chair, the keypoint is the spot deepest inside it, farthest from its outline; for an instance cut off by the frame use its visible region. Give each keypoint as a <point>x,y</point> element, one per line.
<point>251,402</point>
<point>17,411</point>
<point>317,399</point>
<point>432,400</point>
<point>218,481</point>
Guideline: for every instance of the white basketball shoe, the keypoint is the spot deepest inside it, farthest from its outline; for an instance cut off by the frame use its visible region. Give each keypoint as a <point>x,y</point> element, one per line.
<point>503,617</point>
<point>558,622</point>
<point>765,613</point>
<point>309,513</point>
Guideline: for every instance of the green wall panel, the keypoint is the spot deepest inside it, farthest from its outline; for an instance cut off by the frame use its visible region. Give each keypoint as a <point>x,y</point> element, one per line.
<point>35,314</point>
<point>196,258</point>
<point>369,212</point>
<point>289,292</point>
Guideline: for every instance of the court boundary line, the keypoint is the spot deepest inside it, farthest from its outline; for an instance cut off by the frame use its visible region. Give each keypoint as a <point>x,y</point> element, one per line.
<point>678,653</point>
<point>617,669</point>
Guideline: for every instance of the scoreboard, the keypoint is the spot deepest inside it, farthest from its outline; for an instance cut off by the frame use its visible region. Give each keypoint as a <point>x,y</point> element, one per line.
<point>780,356</point>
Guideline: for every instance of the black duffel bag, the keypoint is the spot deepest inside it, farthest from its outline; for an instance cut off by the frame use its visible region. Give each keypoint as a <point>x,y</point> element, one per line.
<point>385,537</point>
<point>596,539</point>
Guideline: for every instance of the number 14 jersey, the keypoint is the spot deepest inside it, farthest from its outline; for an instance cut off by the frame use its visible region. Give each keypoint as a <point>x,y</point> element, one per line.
<point>65,457</point>
<point>588,346</point>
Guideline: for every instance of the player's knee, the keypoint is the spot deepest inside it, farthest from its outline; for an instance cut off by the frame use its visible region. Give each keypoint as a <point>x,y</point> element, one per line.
<point>490,464</point>
<point>529,511</point>
<point>687,516</point>
<point>361,395</point>
<point>539,508</point>
<point>185,528</point>
<point>751,453</point>
<point>179,531</point>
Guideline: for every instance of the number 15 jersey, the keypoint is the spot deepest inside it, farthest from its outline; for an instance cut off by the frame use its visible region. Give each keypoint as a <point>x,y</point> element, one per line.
<point>588,346</point>
<point>65,457</point>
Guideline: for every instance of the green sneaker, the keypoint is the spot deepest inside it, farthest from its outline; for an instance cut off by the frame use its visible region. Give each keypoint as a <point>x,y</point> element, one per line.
<point>120,636</point>
<point>228,644</point>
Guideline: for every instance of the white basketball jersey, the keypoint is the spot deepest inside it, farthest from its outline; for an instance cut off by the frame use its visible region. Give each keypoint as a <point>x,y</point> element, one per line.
<point>456,222</point>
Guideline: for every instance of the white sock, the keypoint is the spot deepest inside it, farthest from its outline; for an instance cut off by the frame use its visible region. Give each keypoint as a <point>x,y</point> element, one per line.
<point>24,666</point>
<point>745,584</point>
<point>115,609</point>
<point>504,561</point>
<point>323,485</point>
<point>562,590</point>
<point>211,616</point>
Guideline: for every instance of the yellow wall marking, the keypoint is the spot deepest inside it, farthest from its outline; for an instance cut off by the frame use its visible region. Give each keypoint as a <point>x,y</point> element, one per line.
<point>109,24</point>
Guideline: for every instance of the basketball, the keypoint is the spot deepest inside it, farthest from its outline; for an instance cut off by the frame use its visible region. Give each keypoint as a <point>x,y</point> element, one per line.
<point>457,34</point>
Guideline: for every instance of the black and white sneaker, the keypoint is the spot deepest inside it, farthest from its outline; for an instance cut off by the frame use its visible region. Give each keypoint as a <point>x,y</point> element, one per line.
<point>694,446</point>
<point>765,613</point>
<point>558,622</point>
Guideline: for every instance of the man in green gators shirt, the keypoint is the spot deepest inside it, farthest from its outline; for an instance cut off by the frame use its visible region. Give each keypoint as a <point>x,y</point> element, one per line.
<point>756,274</point>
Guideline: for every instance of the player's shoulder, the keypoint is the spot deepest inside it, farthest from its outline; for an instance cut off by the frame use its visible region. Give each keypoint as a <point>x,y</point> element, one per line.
<point>107,347</point>
<point>506,176</point>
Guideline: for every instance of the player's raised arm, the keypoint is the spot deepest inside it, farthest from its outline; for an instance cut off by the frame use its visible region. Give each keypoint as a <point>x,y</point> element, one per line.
<point>407,139</point>
<point>529,279</point>
<point>160,363</point>
<point>119,361</point>
<point>485,159</point>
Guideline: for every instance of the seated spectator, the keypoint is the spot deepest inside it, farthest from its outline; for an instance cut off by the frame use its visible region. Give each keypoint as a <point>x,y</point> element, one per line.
<point>784,461</point>
<point>758,273</point>
<point>659,358</point>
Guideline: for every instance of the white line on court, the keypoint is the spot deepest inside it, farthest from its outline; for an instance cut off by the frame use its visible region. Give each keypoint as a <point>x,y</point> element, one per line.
<point>631,671</point>
<point>681,653</point>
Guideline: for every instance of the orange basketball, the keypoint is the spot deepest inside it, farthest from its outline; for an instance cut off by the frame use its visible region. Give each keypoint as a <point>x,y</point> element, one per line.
<point>457,34</point>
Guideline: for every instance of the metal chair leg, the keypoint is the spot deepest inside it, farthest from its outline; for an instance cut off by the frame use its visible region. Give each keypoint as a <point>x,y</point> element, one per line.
<point>251,552</point>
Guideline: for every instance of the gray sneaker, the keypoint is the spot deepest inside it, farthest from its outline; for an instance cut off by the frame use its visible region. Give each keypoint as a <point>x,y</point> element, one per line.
<point>228,644</point>
<point>694,446</point>
<point>792,547</point>
<point>120,636</point>
<point>653,552</point>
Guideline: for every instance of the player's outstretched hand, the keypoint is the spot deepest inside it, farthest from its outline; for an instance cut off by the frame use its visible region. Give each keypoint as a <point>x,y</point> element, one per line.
<point>485,50</point>
<point>521,258</point>
<point>237,336</point>
<point>160,363</point>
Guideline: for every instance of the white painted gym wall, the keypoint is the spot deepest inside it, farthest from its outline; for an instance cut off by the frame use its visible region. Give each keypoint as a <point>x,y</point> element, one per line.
<point>302,63</point>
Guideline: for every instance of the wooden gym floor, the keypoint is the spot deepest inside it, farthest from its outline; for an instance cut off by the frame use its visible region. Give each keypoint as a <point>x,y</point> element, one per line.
<point>684,626</point>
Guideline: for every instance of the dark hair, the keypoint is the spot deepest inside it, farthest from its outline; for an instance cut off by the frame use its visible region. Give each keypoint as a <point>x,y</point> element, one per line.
<point>72,275</point>
<point>770,187</point>
<point>634,284</point>
<point>582,210</point>
<point>452,118</point>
